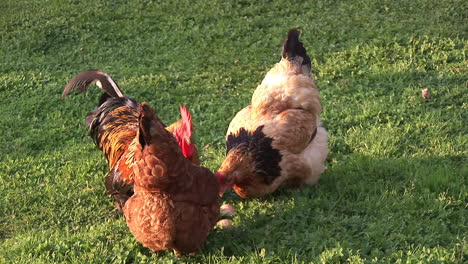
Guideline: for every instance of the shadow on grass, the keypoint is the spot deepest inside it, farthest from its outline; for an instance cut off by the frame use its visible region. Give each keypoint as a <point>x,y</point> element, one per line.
<point>368,207</point>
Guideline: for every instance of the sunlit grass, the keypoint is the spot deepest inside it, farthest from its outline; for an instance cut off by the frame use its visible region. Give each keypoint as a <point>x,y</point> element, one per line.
<point>395,186</point>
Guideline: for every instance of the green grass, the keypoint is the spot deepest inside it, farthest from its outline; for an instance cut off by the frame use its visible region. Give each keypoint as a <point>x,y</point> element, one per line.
<point>395,186</point>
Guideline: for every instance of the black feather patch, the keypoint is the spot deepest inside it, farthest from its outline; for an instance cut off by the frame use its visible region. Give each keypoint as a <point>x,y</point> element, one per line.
<point>103,98</point>
<point>256,143</point>
<point>292,47</point>
<point>145,124</point>
<point>118,189</point>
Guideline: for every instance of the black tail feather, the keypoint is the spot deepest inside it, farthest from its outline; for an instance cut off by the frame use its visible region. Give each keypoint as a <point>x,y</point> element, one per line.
<point>147,118</point>
<point>292,47</point>
<point>144,119</point>
<point>83,80</point>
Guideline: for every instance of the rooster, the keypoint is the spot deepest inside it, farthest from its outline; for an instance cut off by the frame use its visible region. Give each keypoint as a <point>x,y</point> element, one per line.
<point>278,139</point>
<point>175,204</point>
<point>114,124</point>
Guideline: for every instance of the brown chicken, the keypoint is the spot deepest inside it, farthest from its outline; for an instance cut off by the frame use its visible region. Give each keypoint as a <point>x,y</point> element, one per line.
<point>278,140</point>
<point>175,204</point>
<point>114,125</point>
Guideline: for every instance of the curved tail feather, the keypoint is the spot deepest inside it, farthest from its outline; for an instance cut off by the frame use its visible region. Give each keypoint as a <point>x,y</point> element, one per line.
<point>292,47</point>
<point>83,80</point>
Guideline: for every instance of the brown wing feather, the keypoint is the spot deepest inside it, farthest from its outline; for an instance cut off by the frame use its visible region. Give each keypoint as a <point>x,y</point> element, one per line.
<point>291,130</point>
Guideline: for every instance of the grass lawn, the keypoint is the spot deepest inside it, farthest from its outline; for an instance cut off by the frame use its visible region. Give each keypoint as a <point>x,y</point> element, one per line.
<point>395,186</point>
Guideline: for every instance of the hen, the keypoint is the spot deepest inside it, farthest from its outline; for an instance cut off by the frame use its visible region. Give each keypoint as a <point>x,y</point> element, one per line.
<point>175,204</point>
<point>113,126</point>
<point>278,140</point>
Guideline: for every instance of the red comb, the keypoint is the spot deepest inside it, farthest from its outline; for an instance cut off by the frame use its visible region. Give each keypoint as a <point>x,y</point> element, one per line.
<point>186,118</point>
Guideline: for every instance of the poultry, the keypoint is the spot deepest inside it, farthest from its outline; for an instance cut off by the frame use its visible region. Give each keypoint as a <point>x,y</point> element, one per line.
<point>176,203</point>
<point>183,130</point>
<point>114,124</point>
<point>278,140</point>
